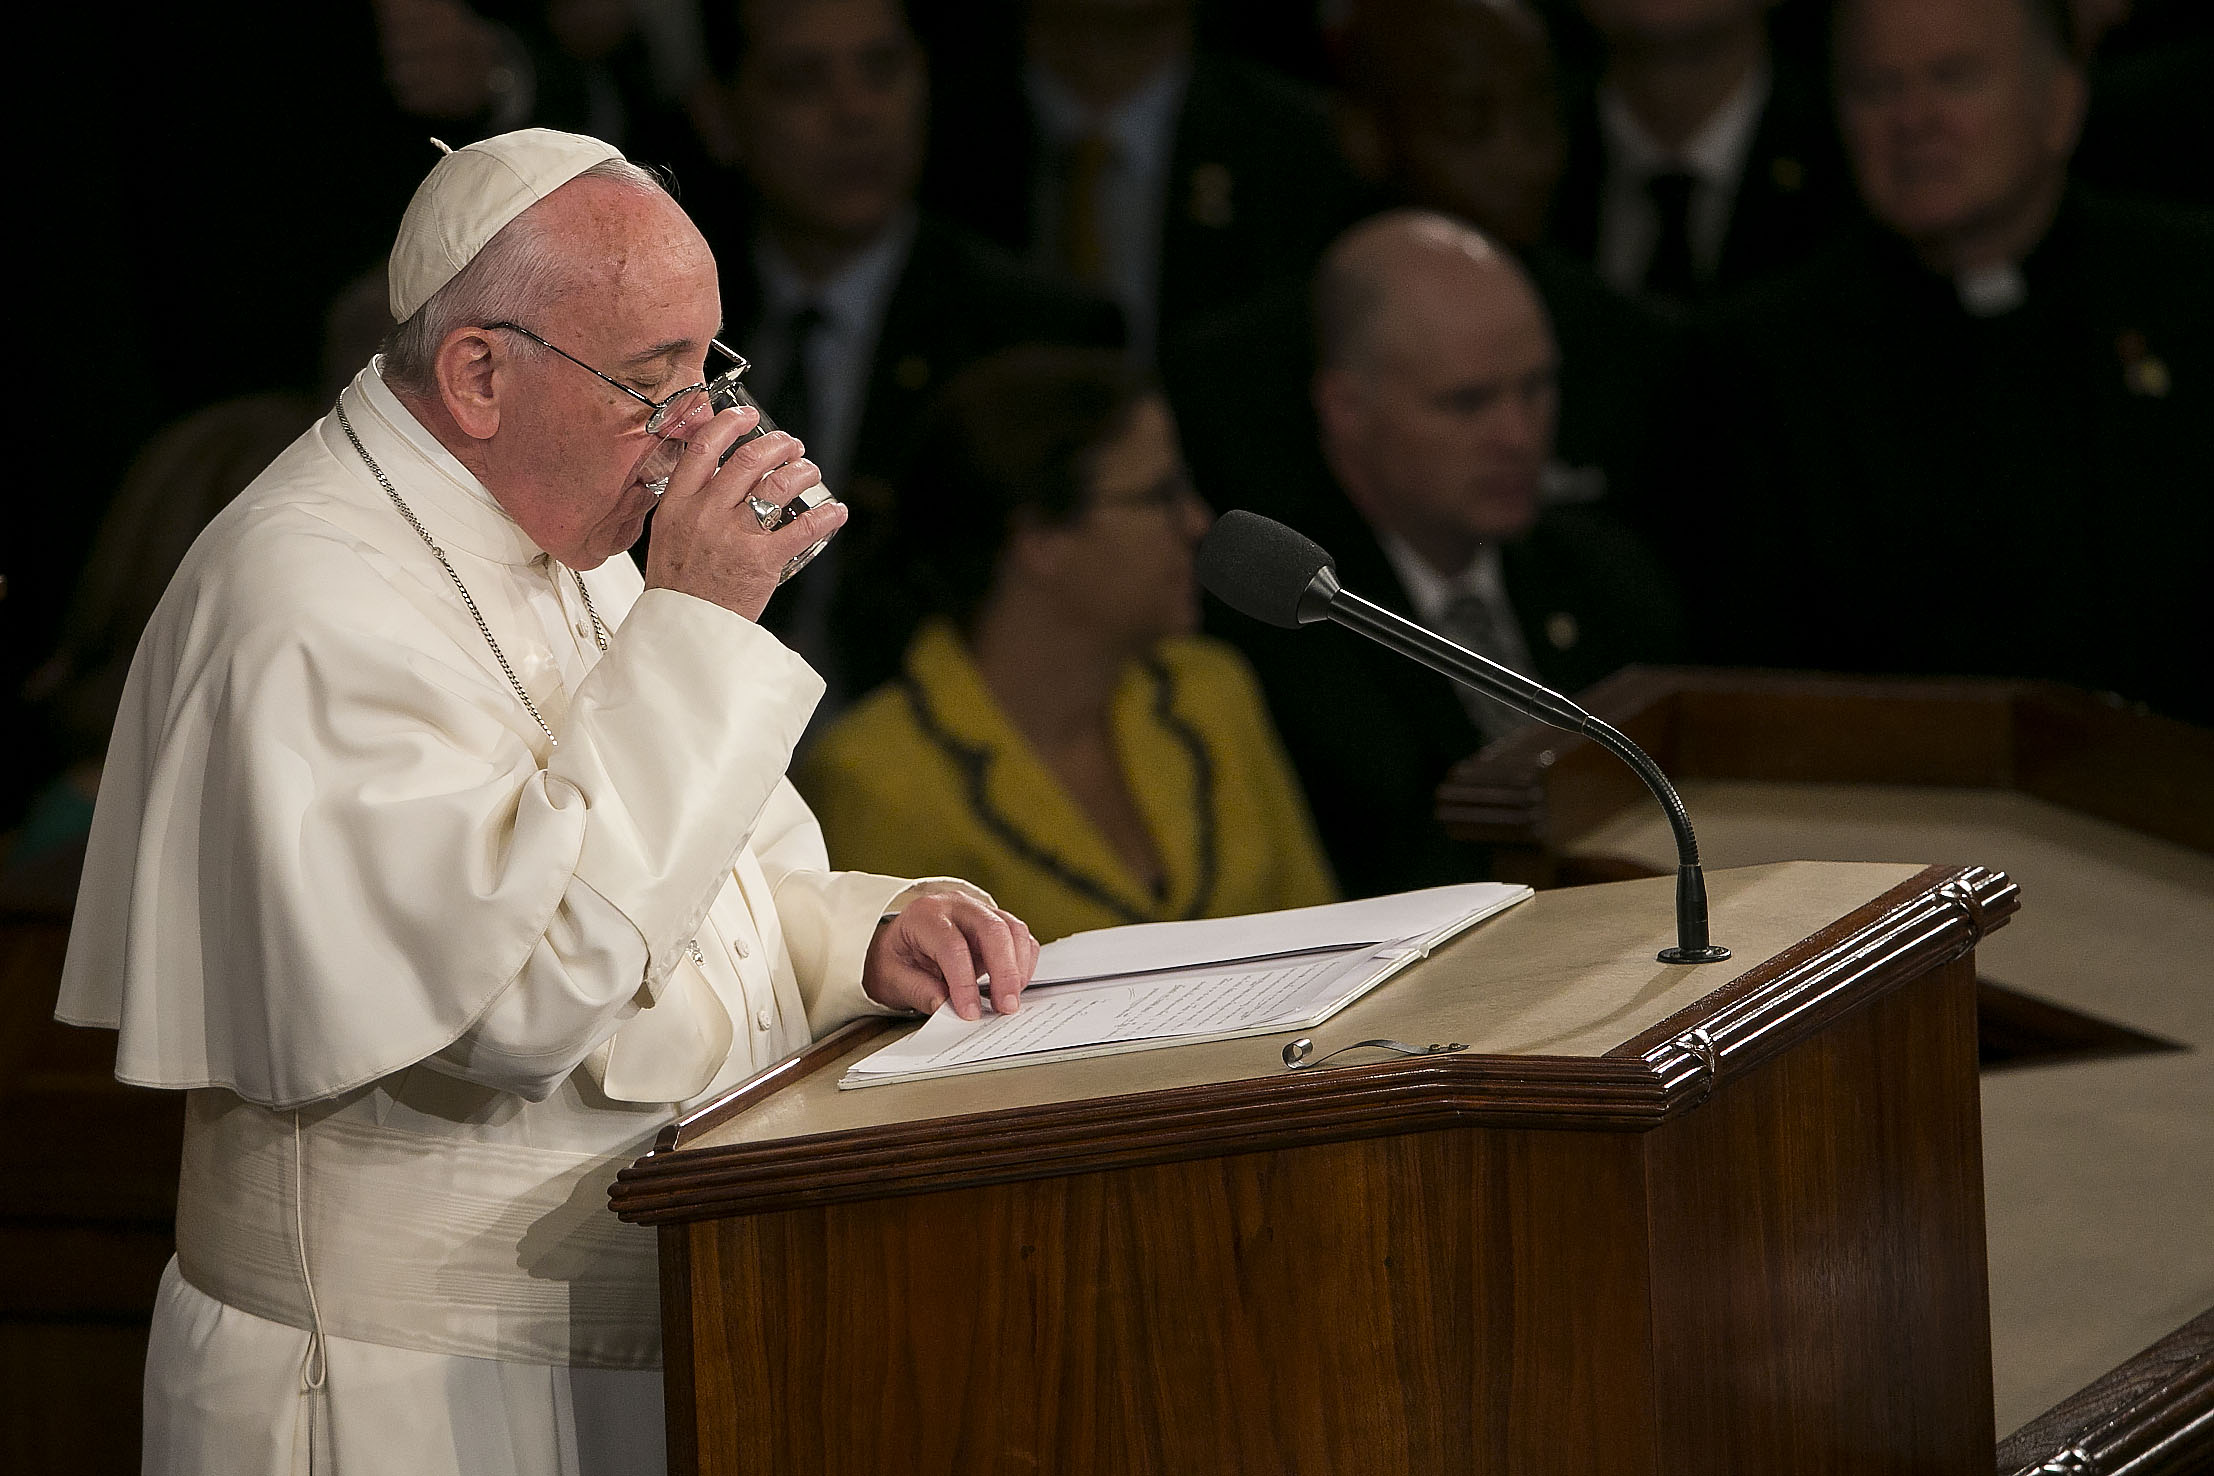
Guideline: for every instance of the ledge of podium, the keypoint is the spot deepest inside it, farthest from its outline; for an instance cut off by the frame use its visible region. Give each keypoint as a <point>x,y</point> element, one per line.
<point>1533,794</point>
<point>1653,1220</point>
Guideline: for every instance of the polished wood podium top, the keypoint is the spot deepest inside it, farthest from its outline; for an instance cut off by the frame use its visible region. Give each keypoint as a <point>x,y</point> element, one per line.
<point>1566,1015</point>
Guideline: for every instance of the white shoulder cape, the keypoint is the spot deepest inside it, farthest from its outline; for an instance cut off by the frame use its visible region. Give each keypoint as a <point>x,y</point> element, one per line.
<point>328,834</point>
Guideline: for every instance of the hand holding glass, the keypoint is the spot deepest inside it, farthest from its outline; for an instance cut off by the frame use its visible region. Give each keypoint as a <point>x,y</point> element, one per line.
<point>690,411</point>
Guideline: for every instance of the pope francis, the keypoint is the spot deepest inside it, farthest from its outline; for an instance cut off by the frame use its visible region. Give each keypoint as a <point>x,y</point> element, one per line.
<point>441,859</point>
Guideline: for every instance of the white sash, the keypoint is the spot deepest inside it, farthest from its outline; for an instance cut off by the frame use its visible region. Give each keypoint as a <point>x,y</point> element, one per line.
<point>486,1250</point>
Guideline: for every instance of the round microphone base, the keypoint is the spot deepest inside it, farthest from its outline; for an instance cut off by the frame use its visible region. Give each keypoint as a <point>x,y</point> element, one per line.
<point>1712,953</point>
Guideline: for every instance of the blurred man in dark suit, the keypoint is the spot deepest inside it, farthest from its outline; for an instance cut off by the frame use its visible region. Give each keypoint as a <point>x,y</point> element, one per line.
<point>633,74</point>
<point>1112,149</point>
<point>1447,105</point>
<point>1700,160</point>
<point>1975,437</point>
<point>852,305</point>
<point>1462,113</point>
<point>1436,400</point>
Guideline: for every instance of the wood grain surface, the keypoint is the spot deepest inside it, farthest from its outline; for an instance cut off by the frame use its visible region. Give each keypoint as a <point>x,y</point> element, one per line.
<point>1775,1264</point>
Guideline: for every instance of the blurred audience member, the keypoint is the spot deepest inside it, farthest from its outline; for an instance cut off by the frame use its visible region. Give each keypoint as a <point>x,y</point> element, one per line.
<point>852,305</point>
<point>1447,105</point>
<point>1975,438</point>
<point>445,61</point>
<point>1701,159</point>
<point>1059,733</point>
<point>1116,151</point>
<point>630,71</point>
<point>1453,103</point>
<point>1436,397</point>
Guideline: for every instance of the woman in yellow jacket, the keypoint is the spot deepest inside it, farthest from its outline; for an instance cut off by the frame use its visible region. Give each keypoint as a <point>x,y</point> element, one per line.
<point>1059,734</point>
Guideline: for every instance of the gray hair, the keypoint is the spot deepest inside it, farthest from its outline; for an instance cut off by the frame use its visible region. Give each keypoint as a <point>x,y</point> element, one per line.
<point>516,273</point>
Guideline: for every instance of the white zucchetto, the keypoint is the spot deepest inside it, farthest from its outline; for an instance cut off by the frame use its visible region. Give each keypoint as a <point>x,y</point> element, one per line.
<point>472,193</point>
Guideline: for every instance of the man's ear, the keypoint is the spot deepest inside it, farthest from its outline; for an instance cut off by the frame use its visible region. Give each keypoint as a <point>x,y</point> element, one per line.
<point>470,369</point>
<point>2071,96</point>
<point>1343,422</point>
<point>1340,403</point>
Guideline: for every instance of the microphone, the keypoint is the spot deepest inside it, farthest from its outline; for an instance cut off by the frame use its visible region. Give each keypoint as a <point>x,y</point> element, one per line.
<point>1261,568</point>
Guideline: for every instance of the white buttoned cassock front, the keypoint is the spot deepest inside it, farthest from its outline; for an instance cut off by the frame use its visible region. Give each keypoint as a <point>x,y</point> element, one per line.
<point>429,978</point>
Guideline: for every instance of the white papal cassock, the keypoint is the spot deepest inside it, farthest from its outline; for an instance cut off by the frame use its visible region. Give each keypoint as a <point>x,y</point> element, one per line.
<point>428,978</point>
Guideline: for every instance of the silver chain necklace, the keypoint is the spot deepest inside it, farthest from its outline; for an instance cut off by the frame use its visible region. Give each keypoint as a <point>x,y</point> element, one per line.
<point>599,631</point>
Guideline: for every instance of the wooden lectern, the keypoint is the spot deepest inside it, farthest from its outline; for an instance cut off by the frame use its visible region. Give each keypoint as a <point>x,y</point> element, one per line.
<point>1653,1219</point>
<point>2097,1008</point>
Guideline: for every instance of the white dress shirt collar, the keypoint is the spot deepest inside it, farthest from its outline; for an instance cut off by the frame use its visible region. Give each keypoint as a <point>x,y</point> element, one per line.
<point>1715,154</point>
<point>840,351</point>
<point>852,300</point>
<point>1629,226</point>
<point>1133,186</point>
<point>1434,596</point>
<point>1142,126</point>
<point>1434,593</point>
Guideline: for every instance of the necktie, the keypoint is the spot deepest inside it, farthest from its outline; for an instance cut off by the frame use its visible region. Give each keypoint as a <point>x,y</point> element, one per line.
<point>1469,620</point>
<point>800,613</point>
<point>1083,248</point>
<point>792,404</point>
<point>1671,271</point>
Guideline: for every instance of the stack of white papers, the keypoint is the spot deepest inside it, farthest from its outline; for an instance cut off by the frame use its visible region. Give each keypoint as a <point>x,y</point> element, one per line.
<point>1162,984</point>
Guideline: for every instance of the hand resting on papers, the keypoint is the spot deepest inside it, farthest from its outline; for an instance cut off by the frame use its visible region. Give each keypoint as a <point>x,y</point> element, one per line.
<point>934,951</point>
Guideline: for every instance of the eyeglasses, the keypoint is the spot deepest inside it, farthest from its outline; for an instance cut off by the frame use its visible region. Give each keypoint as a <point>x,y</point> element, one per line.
<point>673,416</point>
<point>657,411</point>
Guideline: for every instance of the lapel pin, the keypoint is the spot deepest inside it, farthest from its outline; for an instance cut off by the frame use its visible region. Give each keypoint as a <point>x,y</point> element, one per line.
<point>2143,371</point>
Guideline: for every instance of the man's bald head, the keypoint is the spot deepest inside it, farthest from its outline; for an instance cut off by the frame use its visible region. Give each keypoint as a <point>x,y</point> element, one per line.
<point>1379,280</point>
<point>1435,382</point>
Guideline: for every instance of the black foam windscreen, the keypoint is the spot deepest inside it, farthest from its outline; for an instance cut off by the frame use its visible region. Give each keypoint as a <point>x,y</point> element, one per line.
<point>1259,567</point>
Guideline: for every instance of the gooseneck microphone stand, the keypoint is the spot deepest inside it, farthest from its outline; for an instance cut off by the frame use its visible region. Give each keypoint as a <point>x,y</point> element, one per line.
<point>1272,573</point>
